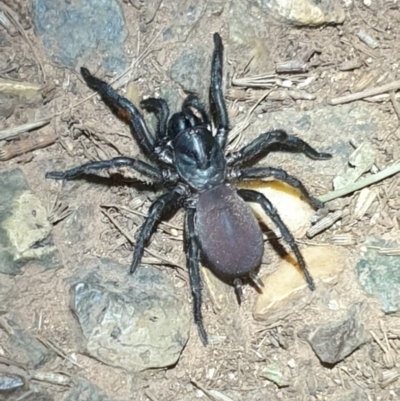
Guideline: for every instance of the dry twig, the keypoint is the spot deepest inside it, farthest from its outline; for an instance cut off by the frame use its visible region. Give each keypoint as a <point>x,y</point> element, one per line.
<point>20,129</point>
<point>14,19</point>
<point>395,85</point>
<point>133,242</point>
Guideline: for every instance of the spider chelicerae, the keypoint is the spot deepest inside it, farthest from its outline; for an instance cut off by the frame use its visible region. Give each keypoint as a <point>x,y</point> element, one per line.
<point>188,159</point>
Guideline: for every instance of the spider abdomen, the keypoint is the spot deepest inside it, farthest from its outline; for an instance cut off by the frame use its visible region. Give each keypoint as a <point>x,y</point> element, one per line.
<point>229,234</point>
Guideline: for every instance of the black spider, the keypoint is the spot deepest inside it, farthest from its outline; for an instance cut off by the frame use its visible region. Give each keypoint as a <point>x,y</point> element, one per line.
<point>189,161</point>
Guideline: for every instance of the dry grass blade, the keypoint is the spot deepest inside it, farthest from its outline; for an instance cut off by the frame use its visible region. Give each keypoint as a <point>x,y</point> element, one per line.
<point>324,224</point>
<point>267,81</point>
<point>126,209</point>
<point>133,242</point>
<point>395,85</point>
<point>58,211</point>
<point>235,135</point>
<point>213,395</point>
<point>52,378</point>
<point>20,129</point>
<point>392,170</point>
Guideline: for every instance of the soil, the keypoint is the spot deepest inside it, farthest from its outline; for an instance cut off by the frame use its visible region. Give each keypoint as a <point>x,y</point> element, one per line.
<point>90,132</point>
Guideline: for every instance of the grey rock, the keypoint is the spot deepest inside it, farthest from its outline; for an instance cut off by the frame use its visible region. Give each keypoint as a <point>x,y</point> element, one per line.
<point>82,31</point>
<point>189,71</point>
<point>24,348</point>
<point>74,228</point>
<point>242,30</point>
<point>327,129</point>
<point>379,274</point>
<point>34,394</point>
<point>7,105</point>
<point>134,322</point>
<point>86,391</point>
<point>334,341</point>
<point>25,232</point>
<point>171,95</point>
<point>183,17</point>
<point>273,373</point>
<point>10,382</point>
<point>305,12</point>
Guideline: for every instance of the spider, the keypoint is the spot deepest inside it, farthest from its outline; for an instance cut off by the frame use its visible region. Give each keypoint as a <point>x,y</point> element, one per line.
<point>189,161</point>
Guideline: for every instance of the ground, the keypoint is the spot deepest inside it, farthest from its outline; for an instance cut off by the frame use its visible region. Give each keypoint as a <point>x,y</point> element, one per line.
<point>84,129</point>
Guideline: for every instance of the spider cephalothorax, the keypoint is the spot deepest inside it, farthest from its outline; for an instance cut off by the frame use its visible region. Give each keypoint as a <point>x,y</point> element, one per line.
<point>189,160</point>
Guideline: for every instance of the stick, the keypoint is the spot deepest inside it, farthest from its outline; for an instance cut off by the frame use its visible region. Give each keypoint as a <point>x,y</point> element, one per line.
<point>20,129</point>
<point>366,93</point>
<point>361,184</point>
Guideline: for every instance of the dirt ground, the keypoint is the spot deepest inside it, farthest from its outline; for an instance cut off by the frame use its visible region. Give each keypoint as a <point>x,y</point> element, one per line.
<point>87,130</point>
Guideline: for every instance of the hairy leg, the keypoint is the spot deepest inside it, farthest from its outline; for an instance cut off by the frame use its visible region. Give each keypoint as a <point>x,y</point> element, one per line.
<point>192,250</point>
<point>256,197</point>
<point>124,109</point>
<point>274,141</point>
<point>217,101</point>
<point>160,108</point>
<point>157,209</point>
<point>279,174</point>
<point>116,162</point>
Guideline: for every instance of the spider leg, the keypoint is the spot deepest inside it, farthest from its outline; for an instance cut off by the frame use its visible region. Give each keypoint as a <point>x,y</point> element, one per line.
<point>217,102</point>
<point>272,141</point>
<point>256,197</point>
<point>192,101</point>
<point>160,108</point>
<point>192,250</point>
<point>124,109</point>
<point>281,175</point>
<point>116,162</point>
<point>157,209</point>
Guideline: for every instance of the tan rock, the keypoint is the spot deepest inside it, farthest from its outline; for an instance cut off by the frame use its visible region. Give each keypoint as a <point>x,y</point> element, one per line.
<point>286,291</point>
<point>295,212</point>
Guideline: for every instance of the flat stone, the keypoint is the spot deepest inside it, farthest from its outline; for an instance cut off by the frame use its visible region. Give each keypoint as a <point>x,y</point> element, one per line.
<point>188,71</point>
<point>25,232</point>
<point>379,274</point>
<point>326,129</point>
<point>10,382</point>
<point>23,347</point>
<point>274,374</point>
<point>183,16</point>
<point>332,342</point>
<point>305,12</point>
<point>295,212</point>
<point>286,291</point>
<point>226,305</point>
<point>134,322</point>
<point>83,390</point>
<point>81,31</point>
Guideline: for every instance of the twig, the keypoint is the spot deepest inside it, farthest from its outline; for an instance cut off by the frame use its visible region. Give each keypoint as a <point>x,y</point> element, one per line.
<point>20,129</point>
<point>26,144</point>
<point>236,132</point>
<point>366,93</point>
<point>395,104</point>
<point>127,209</point>
<point>266,81</point>
<point>133,242</point>
<point>150,395</point>
<point>213,395</point>
<point>10,14</point>
<point>55,348</point>
<point>361,184</point>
